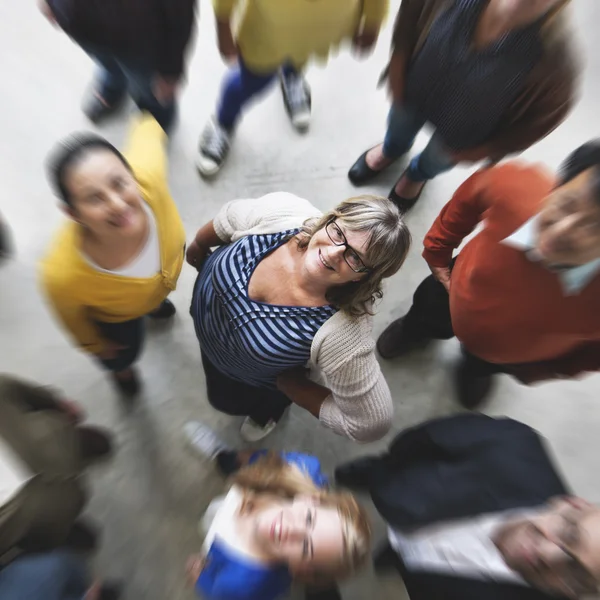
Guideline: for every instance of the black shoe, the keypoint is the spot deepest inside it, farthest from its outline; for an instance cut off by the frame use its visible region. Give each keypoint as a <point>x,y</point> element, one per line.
<point>130,386</point>
<point>96,110</point>
<point>360,172</point>
<point>165,311</point>
<point>83,537</point>
<point>404,204</point>
<point>355,475</point>
<point>95,443</point>
<point>110,591</point>
<point>395,341</point>
<point>5,241</point>
<point>472,388</point>
<point>385,558</point>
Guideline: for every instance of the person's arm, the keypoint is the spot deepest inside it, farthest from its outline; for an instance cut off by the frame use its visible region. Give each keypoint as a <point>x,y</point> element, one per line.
<point>359,405</point>
<point>205,239</point>
<point>34,397</point>
<point>540,111</point>
<point>72,314</point>
<point>457,220</point>
<point>179,18</point>
<point>145,150</point>
<point>224,10</point>
<point>302,391</point>
<point>369,25</point>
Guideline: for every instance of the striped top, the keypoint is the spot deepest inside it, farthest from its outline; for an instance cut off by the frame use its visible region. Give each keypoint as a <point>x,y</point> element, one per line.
<point>464,92</point>
<point>252,342</point>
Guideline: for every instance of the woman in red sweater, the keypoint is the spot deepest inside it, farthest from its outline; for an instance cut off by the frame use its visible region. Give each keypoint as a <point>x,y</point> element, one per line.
<point>522,295</point>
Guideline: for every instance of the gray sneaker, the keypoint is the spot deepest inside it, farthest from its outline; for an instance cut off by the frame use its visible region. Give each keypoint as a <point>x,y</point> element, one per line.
<point>297,100</point>
<point>213,149</point>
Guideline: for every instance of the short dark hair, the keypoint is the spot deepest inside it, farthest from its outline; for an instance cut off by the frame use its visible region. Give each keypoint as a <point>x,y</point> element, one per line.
<point>584,158</point>
<point>70,150</point>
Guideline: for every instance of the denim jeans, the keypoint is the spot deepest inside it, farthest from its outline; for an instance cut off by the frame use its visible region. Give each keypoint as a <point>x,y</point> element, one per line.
<point>117,76</point>
<point>57,575</point>
<point>404,123</point>
<point>240,86</point>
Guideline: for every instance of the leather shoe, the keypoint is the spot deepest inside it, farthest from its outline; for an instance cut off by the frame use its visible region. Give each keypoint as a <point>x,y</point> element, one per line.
<point>404,204</point>
<point>165,311</point>
<point>394,341</point>
<point>360,172</point>
<point>95,443</point>
<point>472,388</point>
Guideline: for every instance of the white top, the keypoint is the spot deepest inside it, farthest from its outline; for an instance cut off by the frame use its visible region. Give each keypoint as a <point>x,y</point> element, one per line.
<point>147,263</point>
<point>14,474</point>
<point>343,350</point>
<point>219,521</point>
<point>573,280</point>
<point>461,547</point>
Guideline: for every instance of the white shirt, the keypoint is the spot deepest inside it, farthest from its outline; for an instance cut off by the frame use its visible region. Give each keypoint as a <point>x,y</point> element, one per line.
<point>14,474</point>
<point>147,263</point>
<point>462,547</point>
<point>572,280</point>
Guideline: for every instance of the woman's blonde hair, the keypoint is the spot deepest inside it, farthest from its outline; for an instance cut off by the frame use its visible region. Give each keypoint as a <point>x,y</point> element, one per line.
<point>387,246</point>
<point>271,477</point>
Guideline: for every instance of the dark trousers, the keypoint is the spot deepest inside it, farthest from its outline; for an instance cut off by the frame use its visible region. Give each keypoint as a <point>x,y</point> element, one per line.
<point>241,399</point>
<point>118,75</point>
<point>429,318</point>
<point>130,335</point>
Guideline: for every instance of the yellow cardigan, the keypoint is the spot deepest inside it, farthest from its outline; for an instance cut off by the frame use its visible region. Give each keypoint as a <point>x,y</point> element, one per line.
<point>271,32</point>
<point>78,293</point>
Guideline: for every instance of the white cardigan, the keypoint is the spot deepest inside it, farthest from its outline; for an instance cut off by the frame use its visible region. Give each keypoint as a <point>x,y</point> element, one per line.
<point>342,351</point>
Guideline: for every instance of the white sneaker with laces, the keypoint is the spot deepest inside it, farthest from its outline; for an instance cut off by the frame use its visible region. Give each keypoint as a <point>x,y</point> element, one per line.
<point>213,148</point>
<point>203,440</point>
<point>250,431</point>
<point>297,100</point>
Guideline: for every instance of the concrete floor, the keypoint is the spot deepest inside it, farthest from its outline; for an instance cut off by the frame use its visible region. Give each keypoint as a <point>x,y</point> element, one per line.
<point>149,499</point>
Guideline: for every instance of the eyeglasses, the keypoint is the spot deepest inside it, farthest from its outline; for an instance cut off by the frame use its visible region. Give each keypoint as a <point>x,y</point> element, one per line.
<point>353,260</point>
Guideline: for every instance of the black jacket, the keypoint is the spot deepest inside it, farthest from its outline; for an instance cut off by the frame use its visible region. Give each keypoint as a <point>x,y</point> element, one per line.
<point>456,467</point>
<point>155,32</point>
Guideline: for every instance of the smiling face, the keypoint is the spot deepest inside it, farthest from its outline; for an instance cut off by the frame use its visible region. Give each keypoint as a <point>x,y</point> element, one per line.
<point>569,223</point>
<point>104,195</point>
<point>301,534</point>
<point>558,550</point>
<point>324,261</point>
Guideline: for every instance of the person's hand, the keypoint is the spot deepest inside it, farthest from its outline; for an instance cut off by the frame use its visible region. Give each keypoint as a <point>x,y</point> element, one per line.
<point>529,374</point>
<point>396,77</point>
<point>195,255</point>
<point>71,410</point>
<point>442,274</point>
<point>165,89</point>
<point>227,46</point>
<point>194,567</point>
<point>47,11</point>
<point>111,350</point>
<point>291,376</point>
<point>363,43</point>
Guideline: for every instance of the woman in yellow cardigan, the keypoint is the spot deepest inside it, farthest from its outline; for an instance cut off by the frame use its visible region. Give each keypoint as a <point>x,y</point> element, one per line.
<point>279,36</point>
<point>120,255</point>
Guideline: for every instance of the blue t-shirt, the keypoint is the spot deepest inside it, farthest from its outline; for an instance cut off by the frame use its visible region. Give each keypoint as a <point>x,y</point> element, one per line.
<point>228,576</point>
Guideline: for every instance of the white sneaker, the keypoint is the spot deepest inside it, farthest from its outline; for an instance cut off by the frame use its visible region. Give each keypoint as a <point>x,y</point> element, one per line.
<point>213,148</point>
<point>250,431</point>
<point>203,440</point>
<point>297,100</point>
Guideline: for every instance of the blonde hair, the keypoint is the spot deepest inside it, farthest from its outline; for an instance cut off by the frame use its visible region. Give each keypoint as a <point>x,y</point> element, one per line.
<point>387,247</point>
<point>271,477</point>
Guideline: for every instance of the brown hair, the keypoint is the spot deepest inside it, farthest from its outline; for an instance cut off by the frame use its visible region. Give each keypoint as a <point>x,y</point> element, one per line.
<point>387,247</point>
<point>271,477</point>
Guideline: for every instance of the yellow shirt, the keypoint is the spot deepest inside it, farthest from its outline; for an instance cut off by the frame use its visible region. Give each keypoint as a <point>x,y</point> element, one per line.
<point>272,32</point>
<point>78,293</point>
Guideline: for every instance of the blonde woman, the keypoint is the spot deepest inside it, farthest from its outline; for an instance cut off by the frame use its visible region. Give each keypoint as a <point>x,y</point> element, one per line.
<point>277,524</point>
<point>289,287</point>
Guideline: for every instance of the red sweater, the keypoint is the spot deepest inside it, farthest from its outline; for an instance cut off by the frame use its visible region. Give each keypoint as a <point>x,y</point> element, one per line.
<point>505,308</point>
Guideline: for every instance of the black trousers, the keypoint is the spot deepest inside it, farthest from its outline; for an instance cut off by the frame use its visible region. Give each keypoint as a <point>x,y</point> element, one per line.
<point>429,318</point>
<point>241,399</point>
